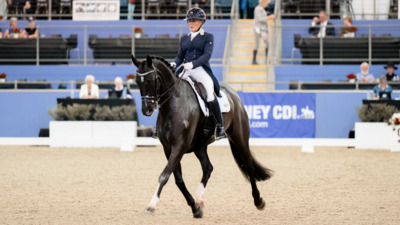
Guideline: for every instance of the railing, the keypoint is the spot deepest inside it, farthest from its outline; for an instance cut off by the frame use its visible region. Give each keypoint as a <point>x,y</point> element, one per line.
<point>375,44</point>
<point>72,86</point>
<point>83,54</point>
<point>215,9</point>
<point>357,9</point>
<point>230,38</point>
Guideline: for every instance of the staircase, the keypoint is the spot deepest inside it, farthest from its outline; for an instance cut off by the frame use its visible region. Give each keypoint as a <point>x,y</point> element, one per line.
<point>242,74</point>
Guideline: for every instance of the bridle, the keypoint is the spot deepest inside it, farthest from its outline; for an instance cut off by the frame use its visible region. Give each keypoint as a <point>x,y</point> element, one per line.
<point>167,94</point>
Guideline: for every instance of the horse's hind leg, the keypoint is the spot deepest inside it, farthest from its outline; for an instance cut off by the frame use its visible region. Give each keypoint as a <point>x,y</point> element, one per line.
<point>197,211</point>
<point>244,160</point>
<point>202,155</point>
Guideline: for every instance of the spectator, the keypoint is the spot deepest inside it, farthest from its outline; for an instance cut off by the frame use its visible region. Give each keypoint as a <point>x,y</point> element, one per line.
<point>13,31</point>
<point>200,3</point>
<point>31,31</point>
<point>89,90</point>
<point>261,27</point>
<point>391,76</point>
<point>321,27</point>
<point>348,30</point>
<point>364,76</point>
<point>382,90</point>
<point>1,33</point>
<point>119,91</point>
<point>131,9</point>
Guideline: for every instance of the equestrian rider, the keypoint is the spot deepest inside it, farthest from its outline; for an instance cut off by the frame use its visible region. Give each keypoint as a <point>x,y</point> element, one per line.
<point>195,51</point>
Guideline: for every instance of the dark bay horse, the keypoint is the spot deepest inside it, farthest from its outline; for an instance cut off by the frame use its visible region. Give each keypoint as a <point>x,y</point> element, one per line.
<point>180,126</point>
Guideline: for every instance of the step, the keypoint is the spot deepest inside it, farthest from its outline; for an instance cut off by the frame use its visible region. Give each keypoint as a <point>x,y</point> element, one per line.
<point>248,68</point>
<point>247,81</point>
<point>249,73</point>
<point>247,61</point>
<point>246,77</point>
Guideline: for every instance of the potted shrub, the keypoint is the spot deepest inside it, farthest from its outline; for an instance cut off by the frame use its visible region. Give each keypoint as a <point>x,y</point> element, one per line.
<point>3,77</point>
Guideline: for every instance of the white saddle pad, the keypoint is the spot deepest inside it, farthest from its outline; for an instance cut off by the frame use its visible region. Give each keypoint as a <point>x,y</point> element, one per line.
<point>223,101</point>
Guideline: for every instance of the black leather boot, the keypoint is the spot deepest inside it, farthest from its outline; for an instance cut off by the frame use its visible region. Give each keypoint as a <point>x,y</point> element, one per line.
<point>254,57</point>
<point>216,111</point>
<point>266,54</point>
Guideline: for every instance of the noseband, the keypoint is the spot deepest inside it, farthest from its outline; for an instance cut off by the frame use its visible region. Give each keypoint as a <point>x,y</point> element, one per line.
<point>156,99</point>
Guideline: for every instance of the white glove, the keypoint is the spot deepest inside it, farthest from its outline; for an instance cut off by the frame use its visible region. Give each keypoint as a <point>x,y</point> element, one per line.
<point>188,66</point>
<point>172,64</point>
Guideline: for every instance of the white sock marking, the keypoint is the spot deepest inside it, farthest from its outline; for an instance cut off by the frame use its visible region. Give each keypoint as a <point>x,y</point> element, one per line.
<point>154,199</point>
<point>199,193</point>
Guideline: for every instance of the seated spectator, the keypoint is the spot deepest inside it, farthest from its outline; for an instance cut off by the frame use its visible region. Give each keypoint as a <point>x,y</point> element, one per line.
<point>31,31</point>
<point>382,90</point>
<point>14,31</point>
<point>89,90</point>
<point>320,27</point>
<point>391,76</point>
<point>348,30</point>
<point>119,91</point>
<point>364,76</point>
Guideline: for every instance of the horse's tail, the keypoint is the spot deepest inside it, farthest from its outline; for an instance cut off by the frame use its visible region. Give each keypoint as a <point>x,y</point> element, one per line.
<point>245,161</point>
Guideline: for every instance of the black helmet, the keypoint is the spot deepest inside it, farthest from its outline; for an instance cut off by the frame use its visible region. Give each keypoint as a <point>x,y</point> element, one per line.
<point>196,14</point>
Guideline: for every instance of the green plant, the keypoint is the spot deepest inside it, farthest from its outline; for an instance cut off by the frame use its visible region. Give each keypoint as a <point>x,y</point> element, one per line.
<point>376,112</point>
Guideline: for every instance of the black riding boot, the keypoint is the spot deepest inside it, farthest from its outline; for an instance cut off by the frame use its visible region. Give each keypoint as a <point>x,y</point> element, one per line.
<point>216,111</point>
<point>266,54</point>
<point>254,57</point>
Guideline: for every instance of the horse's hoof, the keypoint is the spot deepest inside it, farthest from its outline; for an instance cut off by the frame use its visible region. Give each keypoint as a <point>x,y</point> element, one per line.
<point>261,204</point>
<point>198,212</point>
<point>150,210</point>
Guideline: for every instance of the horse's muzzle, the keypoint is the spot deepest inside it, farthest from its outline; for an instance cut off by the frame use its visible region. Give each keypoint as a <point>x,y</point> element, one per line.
<point>148,108</point>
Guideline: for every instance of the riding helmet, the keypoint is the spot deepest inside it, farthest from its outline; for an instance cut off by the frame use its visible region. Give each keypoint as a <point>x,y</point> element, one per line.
<point>196,14</point>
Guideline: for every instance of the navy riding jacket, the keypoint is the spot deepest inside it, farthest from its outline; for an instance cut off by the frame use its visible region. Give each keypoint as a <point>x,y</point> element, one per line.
<point>198,51</point>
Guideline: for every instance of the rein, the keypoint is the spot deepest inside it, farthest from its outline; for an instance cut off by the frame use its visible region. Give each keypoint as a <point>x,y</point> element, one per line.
<point>158,97</point>
<point>174,87</point>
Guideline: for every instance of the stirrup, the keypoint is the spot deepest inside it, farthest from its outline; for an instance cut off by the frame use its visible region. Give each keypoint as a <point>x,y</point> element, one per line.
<point>155,134</point>
<point>220,133</point>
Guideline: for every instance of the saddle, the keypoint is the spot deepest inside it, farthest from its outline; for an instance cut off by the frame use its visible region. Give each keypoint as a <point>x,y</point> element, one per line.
<point>200,91</point>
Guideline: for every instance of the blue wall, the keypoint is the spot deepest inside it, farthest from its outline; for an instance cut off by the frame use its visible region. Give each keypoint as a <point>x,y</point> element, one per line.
<point>290,27</point>
<point>24,113</point>
<point>117,28</point>
<point>314,73</point>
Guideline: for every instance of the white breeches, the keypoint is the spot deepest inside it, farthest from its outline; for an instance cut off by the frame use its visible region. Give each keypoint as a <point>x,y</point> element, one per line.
<point>200,75</point>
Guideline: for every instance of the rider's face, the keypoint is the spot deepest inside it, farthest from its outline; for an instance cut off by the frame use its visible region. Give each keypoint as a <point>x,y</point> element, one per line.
<point>194,25</point>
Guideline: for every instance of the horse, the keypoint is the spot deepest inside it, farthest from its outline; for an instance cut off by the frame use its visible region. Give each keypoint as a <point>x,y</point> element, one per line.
<point>180,127</point>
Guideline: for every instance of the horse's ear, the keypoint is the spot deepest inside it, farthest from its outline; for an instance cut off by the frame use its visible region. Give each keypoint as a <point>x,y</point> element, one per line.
<point>135,61</point>
<point>149,61</point>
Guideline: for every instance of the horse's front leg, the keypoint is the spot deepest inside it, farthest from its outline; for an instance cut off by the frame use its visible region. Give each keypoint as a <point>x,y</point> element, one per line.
<point>196,209</point>
<point>173,162</point>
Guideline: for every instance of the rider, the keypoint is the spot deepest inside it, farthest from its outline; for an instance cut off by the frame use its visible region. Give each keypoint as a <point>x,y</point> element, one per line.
<point>194,52</point>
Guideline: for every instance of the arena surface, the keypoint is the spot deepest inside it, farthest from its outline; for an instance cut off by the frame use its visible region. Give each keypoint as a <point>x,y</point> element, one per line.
<point>42,185</point>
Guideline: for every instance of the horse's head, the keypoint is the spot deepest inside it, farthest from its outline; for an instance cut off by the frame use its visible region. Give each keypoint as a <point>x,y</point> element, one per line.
<point>147,80</point>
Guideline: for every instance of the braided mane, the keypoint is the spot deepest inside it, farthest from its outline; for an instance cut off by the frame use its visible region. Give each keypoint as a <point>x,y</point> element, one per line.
<point>164,61</point>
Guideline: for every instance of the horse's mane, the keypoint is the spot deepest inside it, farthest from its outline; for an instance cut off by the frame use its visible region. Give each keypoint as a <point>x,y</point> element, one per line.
<point>164,61</point>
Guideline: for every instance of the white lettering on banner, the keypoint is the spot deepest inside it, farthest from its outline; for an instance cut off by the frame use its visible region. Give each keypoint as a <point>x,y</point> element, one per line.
<point>279,112</point>
<point>256,124</point>
<point>285,112</point>
<point>257,112</point>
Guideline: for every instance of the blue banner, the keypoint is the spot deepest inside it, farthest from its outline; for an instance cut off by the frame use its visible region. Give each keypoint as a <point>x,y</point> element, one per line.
<point>280,115</point>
